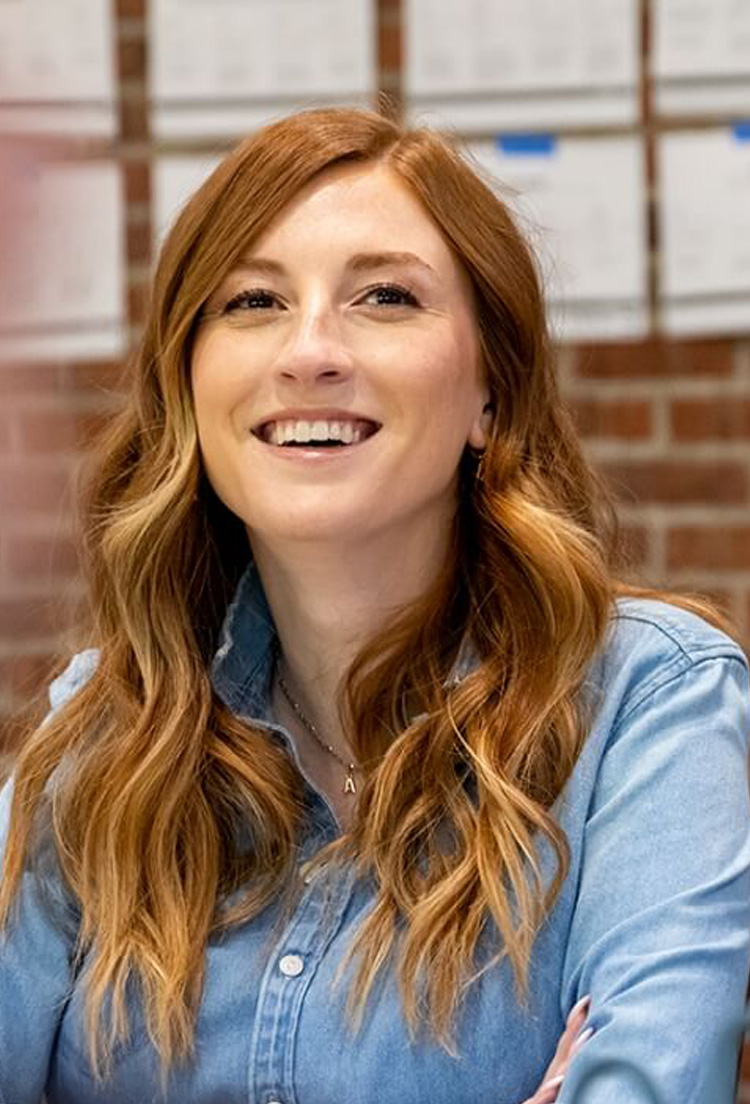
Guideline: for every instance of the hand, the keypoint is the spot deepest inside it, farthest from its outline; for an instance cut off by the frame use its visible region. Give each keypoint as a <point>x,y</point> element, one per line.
<point>568,1046</point>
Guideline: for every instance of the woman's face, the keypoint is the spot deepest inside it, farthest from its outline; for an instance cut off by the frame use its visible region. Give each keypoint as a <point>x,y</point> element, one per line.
<point>320,332</point>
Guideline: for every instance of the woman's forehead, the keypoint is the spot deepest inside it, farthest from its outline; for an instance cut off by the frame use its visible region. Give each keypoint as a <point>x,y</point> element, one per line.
<point>360,211</point>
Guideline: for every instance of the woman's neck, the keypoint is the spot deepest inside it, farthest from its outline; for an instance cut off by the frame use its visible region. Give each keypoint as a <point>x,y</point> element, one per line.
<point>328,602</point>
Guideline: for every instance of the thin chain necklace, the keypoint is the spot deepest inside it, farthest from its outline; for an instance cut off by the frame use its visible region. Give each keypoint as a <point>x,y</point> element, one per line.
<point>349,784</point>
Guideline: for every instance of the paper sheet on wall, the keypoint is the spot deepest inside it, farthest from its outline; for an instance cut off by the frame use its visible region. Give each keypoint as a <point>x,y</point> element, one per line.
<point>57,67</point>
<point>485,65</point>
<point>701,57</point>
<point>580,202</point>
<point>66,296</point>
<point>226,67</point>
<point>705,231</point>
<point>174,181</point>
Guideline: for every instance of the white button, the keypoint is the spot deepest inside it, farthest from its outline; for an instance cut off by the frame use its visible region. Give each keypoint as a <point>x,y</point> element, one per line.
<point>291,966</point>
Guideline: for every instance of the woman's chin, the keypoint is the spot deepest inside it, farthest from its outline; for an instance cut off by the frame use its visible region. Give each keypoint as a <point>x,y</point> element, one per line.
<point>319,526</point>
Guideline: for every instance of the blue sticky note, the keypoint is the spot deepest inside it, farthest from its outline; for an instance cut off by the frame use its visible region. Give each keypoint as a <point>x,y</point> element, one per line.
<point>527,145</point>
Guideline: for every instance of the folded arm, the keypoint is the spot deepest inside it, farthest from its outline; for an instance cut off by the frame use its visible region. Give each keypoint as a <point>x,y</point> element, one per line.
<point>660,935</point>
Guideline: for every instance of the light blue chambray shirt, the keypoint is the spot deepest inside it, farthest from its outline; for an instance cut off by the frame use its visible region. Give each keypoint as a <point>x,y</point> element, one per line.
<point>653,920</point>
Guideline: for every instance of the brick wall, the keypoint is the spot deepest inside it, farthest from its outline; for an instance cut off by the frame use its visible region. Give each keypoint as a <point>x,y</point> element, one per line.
<point>49,412</point>
<point>668,422</point>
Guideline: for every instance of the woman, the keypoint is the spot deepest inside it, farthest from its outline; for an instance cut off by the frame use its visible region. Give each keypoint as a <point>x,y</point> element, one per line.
<point>373,770</point>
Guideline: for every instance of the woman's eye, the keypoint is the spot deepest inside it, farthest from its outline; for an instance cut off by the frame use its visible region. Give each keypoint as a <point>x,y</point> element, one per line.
<point>393,295</point>
<point>248,300</point>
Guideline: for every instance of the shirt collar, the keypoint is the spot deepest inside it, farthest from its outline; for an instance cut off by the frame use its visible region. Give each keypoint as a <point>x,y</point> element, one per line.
<point>242,666</point>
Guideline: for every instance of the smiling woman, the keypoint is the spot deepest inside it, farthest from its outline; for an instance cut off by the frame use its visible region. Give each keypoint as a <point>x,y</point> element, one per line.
<point>325,341</point>
<point>375,781</point>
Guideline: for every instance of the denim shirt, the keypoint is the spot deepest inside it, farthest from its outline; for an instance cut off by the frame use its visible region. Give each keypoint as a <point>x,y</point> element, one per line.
<point>653,920</point>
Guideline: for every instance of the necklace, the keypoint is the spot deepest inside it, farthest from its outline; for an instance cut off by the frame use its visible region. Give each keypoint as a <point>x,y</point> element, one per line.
<point>349,785</point>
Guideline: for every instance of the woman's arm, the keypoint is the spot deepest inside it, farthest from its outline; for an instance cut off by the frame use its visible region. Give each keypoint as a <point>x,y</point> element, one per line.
<point>35,954</point>
<point>660,935</point>
<point>35,977</point>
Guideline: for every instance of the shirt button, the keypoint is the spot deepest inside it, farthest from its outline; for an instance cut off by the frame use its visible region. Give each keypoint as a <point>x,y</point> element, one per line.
<point>291,966</point>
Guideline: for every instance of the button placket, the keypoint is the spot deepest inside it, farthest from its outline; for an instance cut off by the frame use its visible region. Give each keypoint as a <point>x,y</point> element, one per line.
<point>288,975</point>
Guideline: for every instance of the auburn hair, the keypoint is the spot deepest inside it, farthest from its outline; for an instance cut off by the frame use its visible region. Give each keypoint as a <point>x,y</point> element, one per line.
<point>139,782</point>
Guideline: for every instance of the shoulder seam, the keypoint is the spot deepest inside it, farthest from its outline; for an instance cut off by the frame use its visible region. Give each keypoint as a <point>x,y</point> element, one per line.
<point>679,666</point>
<point>689,649</point>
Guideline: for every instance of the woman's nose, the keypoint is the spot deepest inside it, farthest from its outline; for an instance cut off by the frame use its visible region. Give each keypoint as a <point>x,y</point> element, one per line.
<point>316,347</point>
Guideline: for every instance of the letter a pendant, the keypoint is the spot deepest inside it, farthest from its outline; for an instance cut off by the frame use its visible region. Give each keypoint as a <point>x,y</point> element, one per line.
<point>349,786</point>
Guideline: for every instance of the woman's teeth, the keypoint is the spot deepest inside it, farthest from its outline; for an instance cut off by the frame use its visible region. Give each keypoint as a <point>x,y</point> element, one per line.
<point>317,432</point>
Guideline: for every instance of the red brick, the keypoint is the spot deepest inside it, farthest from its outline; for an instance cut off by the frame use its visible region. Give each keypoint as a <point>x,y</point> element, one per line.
<point>26,676</point>
<point>709,548</point>
<point>51,431</point>
<point>14,729</point>
<point>29,379</point>
<point>389,46</point>
<point>138,301</point>
<point>130,9</point>
<point>652,207</point>
<point>100,375</point>
<point>139,243</point>
<point>9,742</point>
<point>618,418</point>
<point>678,481</point>
<point>134,119</point>
<point>645,30</point>
<point>717,595</point>
<point>634,546</point>
<point>726,418</point>
<point>35,489</point>
<point>40,558</point>
<point>27,618</point>
<point>4,432</point>
<point>656,358</point>
<point>131,58</point>
<point>137,181</point>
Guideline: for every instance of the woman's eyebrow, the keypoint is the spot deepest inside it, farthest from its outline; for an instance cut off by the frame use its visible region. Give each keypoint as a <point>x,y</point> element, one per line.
<point>358,262</point>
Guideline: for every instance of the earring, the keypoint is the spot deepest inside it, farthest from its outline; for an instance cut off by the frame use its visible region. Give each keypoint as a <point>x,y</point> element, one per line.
<point>479,473</point>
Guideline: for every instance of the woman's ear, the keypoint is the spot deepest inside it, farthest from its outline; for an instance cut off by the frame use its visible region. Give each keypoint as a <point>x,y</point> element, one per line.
<point>480,430</point>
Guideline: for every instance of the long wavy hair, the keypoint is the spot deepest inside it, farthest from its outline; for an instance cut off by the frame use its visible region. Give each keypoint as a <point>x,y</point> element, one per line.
<point>152,774</point>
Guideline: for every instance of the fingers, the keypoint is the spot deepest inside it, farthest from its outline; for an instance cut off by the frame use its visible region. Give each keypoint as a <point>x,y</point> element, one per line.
<point>573,1038</point>
<point>574,1023</point>
<point>547,1093</point>
<point>580,1041</point>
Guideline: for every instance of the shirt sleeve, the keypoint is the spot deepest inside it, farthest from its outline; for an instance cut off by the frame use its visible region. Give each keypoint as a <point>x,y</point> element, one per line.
<point>35,952</point>
<point>660,934</point>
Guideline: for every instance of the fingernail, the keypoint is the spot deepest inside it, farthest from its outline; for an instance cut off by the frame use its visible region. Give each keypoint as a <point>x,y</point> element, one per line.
<point>582,1004</point>
<point>553,1083</point>
<point>582,1038</point>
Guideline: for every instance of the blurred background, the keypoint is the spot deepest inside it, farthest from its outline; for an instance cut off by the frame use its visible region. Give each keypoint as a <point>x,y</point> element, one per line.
<point>619,130</point>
